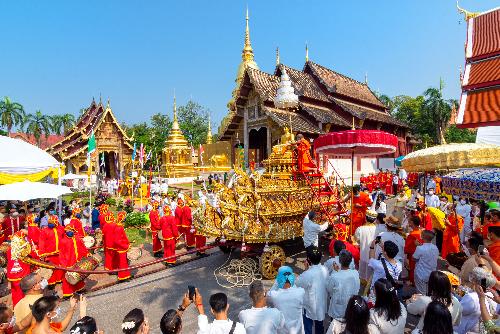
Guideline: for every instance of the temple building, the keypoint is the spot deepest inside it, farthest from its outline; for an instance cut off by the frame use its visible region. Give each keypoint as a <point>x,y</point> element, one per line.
<point>176,156</point>
<point>480,98</point>
<point>111,140</point>
<point>327,101</point>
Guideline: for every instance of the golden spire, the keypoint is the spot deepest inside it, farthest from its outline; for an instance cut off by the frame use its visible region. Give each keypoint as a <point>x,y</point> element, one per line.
<point>277,56</point>
<point>366,78</point>
<point>307,53</point>
<point>108,106</point>
<point>175,124</point>
<point>247,53</point>
<point>209,132</point>
<point>467,15</point>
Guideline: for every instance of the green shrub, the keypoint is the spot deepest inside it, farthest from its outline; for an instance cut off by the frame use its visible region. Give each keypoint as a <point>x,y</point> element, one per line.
<point>136,220</point>
<point>111,201</point>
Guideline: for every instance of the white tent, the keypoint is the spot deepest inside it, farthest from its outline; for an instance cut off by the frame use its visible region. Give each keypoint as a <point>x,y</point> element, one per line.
<point>488,135</point>
<point>21,161</point>
<point>24,191</point>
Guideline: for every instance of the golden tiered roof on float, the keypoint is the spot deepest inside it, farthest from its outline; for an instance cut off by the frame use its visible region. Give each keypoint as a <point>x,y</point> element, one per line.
<point>176,156</point>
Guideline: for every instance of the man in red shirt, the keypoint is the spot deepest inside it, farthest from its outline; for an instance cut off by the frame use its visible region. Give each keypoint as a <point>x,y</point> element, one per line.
<point>72,250</point>
<point>154,219</point>
<point>169,234</point>
<point>340,233</point>
<point>49,241</point>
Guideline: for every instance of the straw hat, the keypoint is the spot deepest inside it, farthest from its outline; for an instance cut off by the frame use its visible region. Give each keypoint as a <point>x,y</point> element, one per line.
<point>392,221</point>
<point>371,214</point>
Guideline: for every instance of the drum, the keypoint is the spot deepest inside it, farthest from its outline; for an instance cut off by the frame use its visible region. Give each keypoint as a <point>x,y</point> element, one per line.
<point>89,241</point>
<point>4,247</point>
<point>98,238</point>
<point>87,263</point>
<point>134,253</point>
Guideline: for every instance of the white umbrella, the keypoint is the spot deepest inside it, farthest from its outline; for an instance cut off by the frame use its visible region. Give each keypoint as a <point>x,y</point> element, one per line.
<point>26,190</point>
<point>72,176</point>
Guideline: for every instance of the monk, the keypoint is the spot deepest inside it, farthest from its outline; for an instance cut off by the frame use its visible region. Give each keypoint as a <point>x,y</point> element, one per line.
<point>361,203</point>
<point>451,235</point>
<point>304,160</point>
<point>413,240</point>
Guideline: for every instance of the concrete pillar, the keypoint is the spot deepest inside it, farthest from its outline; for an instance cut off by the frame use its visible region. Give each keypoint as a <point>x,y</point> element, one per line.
<point>245,136</point>
<point>269,140</point>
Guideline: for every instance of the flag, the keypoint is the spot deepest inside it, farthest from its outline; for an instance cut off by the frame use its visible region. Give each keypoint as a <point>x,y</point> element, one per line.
<point>103,164</point>
<point>133,152</point>
<point>141,155</point>
<point>150,154</point>
<point>91,143</point>
<point>201,154</point>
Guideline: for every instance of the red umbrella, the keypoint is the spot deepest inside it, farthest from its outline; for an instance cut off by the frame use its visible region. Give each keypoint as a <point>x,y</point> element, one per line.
<point>356,142</point>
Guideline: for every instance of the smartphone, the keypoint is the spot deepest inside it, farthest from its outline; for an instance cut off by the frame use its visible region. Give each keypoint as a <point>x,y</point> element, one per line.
<point>483,284</point>
<point>480,250</point>
<point>191,292</point>
<point>378,239</point>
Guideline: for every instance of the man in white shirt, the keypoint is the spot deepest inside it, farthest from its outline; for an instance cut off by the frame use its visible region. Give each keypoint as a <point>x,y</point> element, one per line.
<point>260,318</point>
<point>312,230</point>
<point>289,299</point>
<point>338,246</point>
<point>389,252</point>
<point>313,281</point>
<point>219,308</point>
<point>393,225</point>
<point>342,284</point>
<point>426,256</point>
<point>364,235</point>
<point>431,199</point>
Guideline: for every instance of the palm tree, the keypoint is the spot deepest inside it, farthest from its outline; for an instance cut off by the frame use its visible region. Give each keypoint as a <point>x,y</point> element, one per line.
<point>65,121</point>
<point>38,124</point>
<point>438,110</point>
<point>11,113</point>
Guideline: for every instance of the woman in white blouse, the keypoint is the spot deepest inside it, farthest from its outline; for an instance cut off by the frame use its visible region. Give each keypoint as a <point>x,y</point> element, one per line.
<point>388,315</point>
<point>437,320</point>
<point>356,320</point>
<point>438,288</point>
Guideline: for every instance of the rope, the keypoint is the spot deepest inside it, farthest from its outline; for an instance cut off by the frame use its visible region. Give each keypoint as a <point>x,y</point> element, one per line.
<point>238,273</point>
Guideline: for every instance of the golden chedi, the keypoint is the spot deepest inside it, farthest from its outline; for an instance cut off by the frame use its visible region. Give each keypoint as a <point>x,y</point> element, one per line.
<point>176,156</point>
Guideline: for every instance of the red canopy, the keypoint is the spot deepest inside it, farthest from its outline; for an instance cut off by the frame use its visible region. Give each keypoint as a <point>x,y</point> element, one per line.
<point>359,142</point>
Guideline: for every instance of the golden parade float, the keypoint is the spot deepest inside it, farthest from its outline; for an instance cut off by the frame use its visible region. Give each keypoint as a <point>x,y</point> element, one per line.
<point>261,208</point>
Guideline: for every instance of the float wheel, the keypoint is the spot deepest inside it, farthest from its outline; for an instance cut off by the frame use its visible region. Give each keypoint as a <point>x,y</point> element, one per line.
<point>271,260</point>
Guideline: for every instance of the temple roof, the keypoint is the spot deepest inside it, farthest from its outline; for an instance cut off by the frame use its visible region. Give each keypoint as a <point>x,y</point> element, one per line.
<point>340,84</point>
<point>298,122</point>
<point>480,100</point>
<point>75,140</point>
<point>324,115</point>
<point>363,112</point>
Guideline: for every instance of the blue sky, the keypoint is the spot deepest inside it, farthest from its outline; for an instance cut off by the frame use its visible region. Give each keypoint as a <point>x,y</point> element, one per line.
<point>57,55</point>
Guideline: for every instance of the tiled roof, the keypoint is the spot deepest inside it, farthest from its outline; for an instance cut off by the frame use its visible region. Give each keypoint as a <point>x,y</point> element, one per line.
<point>299,123</point>
<point>266,84</point>
<point>483,73</point>
<point>480,108</point>
<point>324,115</point>
<point>45,141</point>
<point>304,84</point>
<point>486,34</point>
<point>343,85</point>
<point>367,113</point>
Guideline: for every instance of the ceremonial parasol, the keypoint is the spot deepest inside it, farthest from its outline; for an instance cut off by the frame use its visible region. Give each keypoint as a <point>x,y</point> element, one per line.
<point>356,142</point>
<point>477,183</point>
<point>452,156</point>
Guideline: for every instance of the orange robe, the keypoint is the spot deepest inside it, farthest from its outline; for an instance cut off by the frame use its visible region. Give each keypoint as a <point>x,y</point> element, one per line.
<point>304,160</point>
<point>170,235</point>
<point>72,250</point>
<point>437,179</point>
<point>410,248</point>
<point>451,235</point>
<point>154,218</point>
<point>494,250</point>
<point>361,204</point>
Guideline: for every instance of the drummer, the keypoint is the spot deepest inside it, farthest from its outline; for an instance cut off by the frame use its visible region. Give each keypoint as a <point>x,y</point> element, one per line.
<point>72,250</point>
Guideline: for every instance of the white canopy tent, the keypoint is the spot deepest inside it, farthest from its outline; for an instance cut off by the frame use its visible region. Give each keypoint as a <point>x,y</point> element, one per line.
<point>21,161</point>
<point>27,190</point>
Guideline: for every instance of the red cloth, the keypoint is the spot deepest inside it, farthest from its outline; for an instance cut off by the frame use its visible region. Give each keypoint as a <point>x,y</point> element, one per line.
<point>34,233</point>
<point>451,235</point>
<point>49,249</point>
<point>72,250</point>
<point>361,205</point>
<point>77,225</point>
<point>170,234</point>
<point>11,225</point>
<point>365,142</point>
<point>121,245</point>
<point>410,247</point>
<point>304,160</point>
<point>484,230</point>
<point>110,257</point>
<point>16,270</point>
<point>154,218</point>
<point>494,250</point>
<point>348,246</point>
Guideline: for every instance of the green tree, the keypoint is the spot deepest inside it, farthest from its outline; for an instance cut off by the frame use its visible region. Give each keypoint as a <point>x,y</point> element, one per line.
<point>456,135</point>
<point>193,121</point>
<point>61,124</point>
<point>161,125</point>
<point>11,114</point>
<point>37,124</point>
<point>436,109</point>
